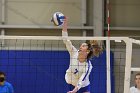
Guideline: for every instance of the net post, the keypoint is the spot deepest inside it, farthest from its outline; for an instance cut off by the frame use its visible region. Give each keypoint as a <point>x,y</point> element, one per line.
<point>108,83</point>
<point>128,66</point>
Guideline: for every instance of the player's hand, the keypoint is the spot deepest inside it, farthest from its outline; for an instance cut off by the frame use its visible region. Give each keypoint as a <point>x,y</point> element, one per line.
<point>65,24</point>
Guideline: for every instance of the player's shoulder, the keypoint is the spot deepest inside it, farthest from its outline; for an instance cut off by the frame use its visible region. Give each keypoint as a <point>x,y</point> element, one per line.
<point>8,84</point>
<point>89,62</point>
<point>132,88</point>
<point>89,65</point>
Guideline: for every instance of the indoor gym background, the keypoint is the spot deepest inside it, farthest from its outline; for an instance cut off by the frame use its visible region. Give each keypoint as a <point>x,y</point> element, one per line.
<point>86,18</point>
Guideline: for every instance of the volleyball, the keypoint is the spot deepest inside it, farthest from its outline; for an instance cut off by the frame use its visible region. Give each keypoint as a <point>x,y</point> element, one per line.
<point>58,18</point>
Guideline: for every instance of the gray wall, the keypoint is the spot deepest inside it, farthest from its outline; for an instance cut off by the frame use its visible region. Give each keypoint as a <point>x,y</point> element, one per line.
<point>39,12</point>
<point>125,13</point>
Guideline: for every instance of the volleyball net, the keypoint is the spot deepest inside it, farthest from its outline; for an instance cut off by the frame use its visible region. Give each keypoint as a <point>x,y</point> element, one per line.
<point>35,64</point>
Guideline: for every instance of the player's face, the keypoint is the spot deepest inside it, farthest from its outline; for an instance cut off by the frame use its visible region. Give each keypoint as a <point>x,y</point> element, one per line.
<point>2,79</point>
<point>84,47</point>
<point>137,80</point>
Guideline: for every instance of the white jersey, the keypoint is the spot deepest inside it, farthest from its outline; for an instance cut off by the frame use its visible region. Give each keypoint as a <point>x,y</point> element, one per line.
<point>134,90</point>
<point>78,73</point>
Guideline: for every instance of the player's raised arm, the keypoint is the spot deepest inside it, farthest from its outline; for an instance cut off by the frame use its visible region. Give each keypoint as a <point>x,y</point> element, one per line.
<point>65,25</point>
<point>67,42</point>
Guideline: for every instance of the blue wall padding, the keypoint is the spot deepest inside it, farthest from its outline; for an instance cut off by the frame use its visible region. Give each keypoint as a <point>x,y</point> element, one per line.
<point>98,76</point>
<point>44,71</point>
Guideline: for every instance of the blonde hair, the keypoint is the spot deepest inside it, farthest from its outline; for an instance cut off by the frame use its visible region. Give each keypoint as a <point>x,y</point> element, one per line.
<point>97,46</point>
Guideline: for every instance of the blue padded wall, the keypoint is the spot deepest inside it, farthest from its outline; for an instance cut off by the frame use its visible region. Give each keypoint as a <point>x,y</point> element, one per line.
<point>44,71</point>
<point>98,76</point>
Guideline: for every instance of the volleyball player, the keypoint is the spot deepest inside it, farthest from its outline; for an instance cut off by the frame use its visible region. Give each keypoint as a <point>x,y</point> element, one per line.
<point>5,87</point>
<point>77,75</point>
<point>136,88</point>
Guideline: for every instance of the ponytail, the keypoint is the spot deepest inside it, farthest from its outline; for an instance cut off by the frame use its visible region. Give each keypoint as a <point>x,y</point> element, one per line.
<point>94,45</point>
